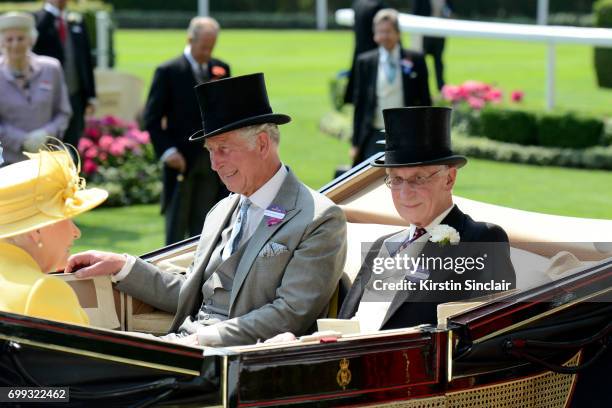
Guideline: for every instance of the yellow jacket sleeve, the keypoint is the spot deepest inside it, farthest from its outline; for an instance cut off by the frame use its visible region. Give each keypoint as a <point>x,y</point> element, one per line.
<point>53,299</point>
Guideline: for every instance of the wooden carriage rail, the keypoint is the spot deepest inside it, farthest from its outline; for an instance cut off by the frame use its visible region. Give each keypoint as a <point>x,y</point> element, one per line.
<point>100,343</point>
<point>486,321</point>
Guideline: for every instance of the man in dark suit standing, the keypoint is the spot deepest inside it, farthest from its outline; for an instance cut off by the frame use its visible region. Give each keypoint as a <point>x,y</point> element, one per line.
<point>421,172</point>
<point>387,77</point>
<point>434,46</point>
<point>191,187</point>
<point>63,35</point>
<point>364,12</point>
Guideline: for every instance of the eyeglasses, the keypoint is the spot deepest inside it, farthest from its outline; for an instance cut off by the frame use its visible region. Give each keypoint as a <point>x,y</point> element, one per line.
<point>395,183</point>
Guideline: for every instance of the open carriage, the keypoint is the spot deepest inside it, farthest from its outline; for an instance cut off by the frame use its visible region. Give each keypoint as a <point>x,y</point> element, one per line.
<point>543,344</point>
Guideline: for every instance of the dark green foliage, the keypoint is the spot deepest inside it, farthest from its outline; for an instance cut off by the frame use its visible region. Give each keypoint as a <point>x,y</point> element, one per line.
<point>563,129</point>
<point>507,125</point>
<point>603,56</point>
<point>569,130</point>
<point>597,157</point>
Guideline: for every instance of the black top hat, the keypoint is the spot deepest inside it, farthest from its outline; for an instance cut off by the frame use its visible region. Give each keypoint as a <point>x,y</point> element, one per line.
<point>418,136</point>
<point>234,103</point>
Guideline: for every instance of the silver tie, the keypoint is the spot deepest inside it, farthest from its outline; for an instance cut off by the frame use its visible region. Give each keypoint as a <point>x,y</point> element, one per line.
<point>240,226</point>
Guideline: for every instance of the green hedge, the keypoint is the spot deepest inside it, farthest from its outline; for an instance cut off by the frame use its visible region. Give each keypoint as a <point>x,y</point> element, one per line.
<point>338,125</point>
<point>603,56</point>
<point>566,130</point>
<point>83,7</point>
<point>155,19</point>
<point>569,130</point>
<point>598,157</point>
<point>489,8</point>
<point>512,126</point>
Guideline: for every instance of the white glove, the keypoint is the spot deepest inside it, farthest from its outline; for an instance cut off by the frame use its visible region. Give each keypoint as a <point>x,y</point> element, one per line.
<point>35,140</point>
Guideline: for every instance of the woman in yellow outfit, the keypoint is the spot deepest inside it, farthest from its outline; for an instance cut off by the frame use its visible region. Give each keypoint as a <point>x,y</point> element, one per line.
<point>38,198</point>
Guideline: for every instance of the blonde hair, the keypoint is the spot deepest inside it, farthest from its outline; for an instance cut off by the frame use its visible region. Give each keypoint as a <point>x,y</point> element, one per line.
<point>388,14</point>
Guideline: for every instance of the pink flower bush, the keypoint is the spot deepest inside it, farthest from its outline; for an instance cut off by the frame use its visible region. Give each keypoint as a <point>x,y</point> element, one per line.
<point>109,142</point>
<point>476,94</point>
<point>89,166</point>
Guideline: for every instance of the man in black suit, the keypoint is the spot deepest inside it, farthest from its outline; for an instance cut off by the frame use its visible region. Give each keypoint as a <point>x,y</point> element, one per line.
<point>191,187</point>
<point>63,35</point>
<point>387,77</point>
<point>364,12</point>
<point>421,172</point>
<point>434,46</point>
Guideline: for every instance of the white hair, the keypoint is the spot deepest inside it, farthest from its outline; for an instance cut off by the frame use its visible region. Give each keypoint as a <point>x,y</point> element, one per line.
<point>199,24</point>
<point>250,133</point>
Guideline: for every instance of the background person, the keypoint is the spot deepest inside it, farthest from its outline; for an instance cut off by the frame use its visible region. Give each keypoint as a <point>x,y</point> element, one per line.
<point>269,257</point>
<point>434,46</point>
<point>364,12</point>
<point>191,187</point>
<point>387,77</point>
<point>63,35</point>
<point>38,198</point>
<point>33,97</point>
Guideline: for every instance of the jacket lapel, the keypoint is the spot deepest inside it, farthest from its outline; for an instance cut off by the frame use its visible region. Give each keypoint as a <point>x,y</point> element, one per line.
<point>402,296</point>
<point>373,78</point>
<point>286,198</point>
<point>213,227</point>
<point>405,77</point>
<point>455,218</point>
<point>187,71</point>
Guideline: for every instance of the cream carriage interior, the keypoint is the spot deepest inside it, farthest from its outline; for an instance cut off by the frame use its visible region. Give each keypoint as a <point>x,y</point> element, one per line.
<point>458,363</point>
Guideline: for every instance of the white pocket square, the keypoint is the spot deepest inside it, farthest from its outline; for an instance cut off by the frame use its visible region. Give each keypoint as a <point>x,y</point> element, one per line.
<point>272,249</point>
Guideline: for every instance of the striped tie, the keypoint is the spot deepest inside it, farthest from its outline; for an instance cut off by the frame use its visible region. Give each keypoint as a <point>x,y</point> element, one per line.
<point>419,232</point>
<point>240,226</point>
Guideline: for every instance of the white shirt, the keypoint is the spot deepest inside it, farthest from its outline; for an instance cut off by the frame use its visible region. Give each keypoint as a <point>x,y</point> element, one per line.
<point>260,201</point>
<point>388,95</point>
<point>372,314</point>
<point>54,10</point>
<point>195,65</point>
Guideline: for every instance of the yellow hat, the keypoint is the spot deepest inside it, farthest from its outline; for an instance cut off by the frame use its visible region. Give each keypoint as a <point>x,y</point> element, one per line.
<point>42,191</point>
<point>16,19</point>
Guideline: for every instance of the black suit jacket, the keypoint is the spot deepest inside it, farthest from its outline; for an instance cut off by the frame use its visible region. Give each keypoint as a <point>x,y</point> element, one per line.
<point>415,86</point>
<point>410,308</point>
<point>364,10</point>
<point>173,98</point>
<point>48,43</point>
<point>423,7</point>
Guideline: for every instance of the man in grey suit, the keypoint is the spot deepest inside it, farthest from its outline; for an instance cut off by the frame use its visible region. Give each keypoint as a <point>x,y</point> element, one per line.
<point>269,257</point>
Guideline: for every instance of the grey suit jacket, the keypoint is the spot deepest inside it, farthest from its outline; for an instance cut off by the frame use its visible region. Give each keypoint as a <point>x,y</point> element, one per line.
<point>271,294</point>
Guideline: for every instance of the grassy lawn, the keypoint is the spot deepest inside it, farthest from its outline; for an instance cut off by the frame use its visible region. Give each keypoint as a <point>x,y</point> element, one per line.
<point>298,65</point>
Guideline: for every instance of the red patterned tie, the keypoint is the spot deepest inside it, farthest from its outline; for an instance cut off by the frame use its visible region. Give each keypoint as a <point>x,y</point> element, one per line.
<point>61,29</point>
<point>419,232</point>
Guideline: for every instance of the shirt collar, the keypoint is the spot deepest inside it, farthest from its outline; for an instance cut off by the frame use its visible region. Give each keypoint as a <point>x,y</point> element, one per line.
<point>384,54</point>
<point>34,67</point>
<point>436,221</point>
<point>263,197</point>
<point>54,10</point>
<point>194,64</point>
